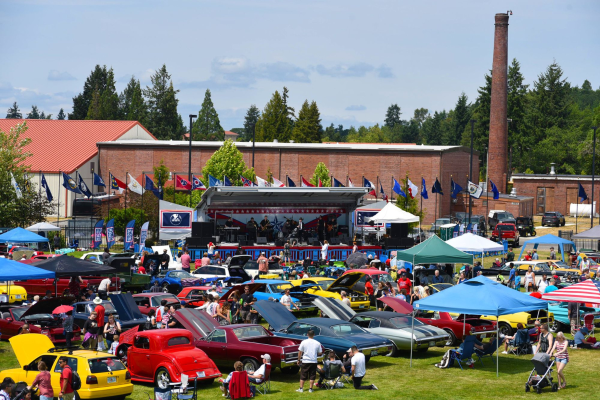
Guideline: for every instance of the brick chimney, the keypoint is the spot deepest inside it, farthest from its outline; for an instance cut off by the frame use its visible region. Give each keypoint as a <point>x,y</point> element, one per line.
<point>498,141</point>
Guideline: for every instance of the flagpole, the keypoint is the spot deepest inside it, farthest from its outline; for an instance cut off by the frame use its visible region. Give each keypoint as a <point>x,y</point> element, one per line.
<point>108,205</point>
<point>377,187</point>
<point>347,180</point>
<point>436,210</point>
<point>392,191</point>
<point>58,199</point>
<point>40,194</point>
<point>126,187</point>
<point>421,208</point>
<point>407,193</point>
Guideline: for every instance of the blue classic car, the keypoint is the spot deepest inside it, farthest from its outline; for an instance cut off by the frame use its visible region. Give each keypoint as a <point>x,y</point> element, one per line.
<point>121,305</point>
<point>173,281</point>
<point>333,334</point>
<point>275,288</point>
<point>561,316</point>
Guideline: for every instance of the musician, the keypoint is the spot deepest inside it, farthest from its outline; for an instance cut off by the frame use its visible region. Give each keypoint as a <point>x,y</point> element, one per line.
<point>265,227</point>
<point>301,231</point>
<point>331,228</point>
<point>322,227</point>
<point>229,222</point>
<point>251,228</point>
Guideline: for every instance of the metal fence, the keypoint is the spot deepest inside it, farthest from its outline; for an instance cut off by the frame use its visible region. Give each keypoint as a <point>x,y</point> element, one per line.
<point>79,230</point>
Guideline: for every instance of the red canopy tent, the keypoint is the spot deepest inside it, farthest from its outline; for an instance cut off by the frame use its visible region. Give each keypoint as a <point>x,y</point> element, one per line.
<point>587,291</point>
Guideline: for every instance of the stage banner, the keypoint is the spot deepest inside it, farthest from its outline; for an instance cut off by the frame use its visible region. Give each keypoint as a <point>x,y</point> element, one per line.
<point>144,234</point>
<point>129,234</point>
<point>110,233</point>
<point>98,234</point>
<point>175,221</point>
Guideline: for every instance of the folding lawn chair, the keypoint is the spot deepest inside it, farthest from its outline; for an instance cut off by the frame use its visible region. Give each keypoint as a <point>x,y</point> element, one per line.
<point>521,344</point>
<point>467,351</point>
<point>333,376</point>
<point>265,386</point>
<point>183,391</point>
<point>588,322</point>
<point>489,351</point>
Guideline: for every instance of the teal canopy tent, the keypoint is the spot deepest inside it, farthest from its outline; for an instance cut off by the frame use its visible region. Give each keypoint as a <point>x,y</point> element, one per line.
<point>548,239</point>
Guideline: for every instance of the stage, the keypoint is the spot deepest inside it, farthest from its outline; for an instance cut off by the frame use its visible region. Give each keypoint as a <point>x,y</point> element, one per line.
<point>336,252</point>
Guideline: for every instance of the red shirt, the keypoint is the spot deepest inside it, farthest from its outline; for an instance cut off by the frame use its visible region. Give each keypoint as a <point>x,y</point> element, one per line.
<point>141,270</point>
<point>528,258</point>
<point>369,288</point>
<point>68,375</point>
<point>404,284</point>
<point>100,318</point>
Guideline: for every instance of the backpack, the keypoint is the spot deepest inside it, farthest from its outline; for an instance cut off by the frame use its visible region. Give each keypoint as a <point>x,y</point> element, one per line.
<point>75,380</point>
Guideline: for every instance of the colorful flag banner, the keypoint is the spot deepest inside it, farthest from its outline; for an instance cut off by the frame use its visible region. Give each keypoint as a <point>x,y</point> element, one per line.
<point>134,185</point>
<point>181,183</point>
<point>83,188</point>
<point>197,183</point>
<point>290,182</point>
<point>337,183</point>
<point>474,190</point>
<point>398,189</point>
<point>437,187</point>
<point>424,189</point>
<point>110,233</point>
<point>47,188</point>
<point>277,183</point>
<point>129,235</point>
<point>212,181</point>
<point>98,181</point>
<point>262,182</point>
<point>97,240</point>
<point>413,190</point>
<point>68,183</point>
<point>495,190</point>
<point>227,181</point>
<point>116,184</point>
<point>144,234</point>
<point>306,183</point>
<point>16,186</point>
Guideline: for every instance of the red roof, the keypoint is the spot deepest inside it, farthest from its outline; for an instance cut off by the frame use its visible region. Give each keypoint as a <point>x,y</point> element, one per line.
<point>66,145</point>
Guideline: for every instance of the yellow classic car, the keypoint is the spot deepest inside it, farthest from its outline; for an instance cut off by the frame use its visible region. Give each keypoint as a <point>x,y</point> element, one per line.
<point>15,293</point>
<point>102,375</point>
<point>328,287</point>
<point>507,324</point>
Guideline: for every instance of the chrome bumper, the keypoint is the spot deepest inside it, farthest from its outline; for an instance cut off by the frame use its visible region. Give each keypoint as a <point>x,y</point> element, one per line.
<point>375,350</point>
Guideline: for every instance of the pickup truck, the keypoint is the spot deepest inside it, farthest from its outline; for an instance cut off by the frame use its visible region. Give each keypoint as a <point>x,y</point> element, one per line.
<point>500,217</point>
<point>244,342</point>
<point>506,231</point>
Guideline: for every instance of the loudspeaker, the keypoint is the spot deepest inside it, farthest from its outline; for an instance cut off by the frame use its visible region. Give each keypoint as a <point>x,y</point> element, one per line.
<point>195,242</point>
<point>399,230</point>
<point>343,229</point>
<point>279,243</point>
<point>202,229</point>
<point>261,240</point>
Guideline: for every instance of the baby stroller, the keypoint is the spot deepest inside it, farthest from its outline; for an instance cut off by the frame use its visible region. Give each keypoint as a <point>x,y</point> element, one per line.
<point>540,376</point>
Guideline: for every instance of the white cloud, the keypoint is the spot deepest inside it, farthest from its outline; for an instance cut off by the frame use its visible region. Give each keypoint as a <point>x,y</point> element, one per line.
<point>55,75</point>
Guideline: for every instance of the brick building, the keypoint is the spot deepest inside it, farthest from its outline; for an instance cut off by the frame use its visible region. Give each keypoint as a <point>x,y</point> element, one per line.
<point>376,162</point>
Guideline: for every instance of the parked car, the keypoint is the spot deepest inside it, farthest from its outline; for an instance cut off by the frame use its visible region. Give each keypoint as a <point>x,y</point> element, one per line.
<point>507,324</point>
<point>15,294</point>
<point>506,231</point>
<point>462,217</point>
<point>40,319</point>
<point>457,328</point>
<point>251,268</point>
<point>192,296</point>
<point>525,226</point>
<point>173,281</point>
<point>274,289</point>
<point>399,328</point>
<point>435,227</point>
<point>102,375</point>
<point>332,288</point>
<point>243,342</point>
<point>539,268</point>
<point>42,257</point>
<point>121,305</point>
<point>375,274</point>
<point>418,235</point>
<point>148,301</point>
<point>40,286</point>
<point>333,334</point>
<point>94,256</point>
<point>553,218</point>
<point>233,269</point>
<point>500,217</point>
<point>560,311</point>
<point>161,356</point>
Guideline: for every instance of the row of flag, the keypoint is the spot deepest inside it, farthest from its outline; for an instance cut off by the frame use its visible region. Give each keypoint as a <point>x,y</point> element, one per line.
<point>110,234</point>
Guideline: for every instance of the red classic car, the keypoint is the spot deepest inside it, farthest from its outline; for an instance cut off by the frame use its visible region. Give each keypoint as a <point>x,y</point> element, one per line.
<point>149,301</point>
<point>244,342</point>
<point>161,356</point>
<point>39,318</point>
<point>40,286</point>
<point>456,327</point>
<point>376,276</point>
<point>192,295</point>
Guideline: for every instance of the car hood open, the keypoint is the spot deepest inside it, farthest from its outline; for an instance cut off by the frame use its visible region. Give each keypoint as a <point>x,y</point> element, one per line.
<point>240,288</point>
<point>275,314</point>
<point>239,261</point>
<point>29,346</point>
<point>46,306</point>
<point>126,307</point>
<point>348,280</point>
<point>334,308</point>
<point>398,305</point>
<point>198,322</point>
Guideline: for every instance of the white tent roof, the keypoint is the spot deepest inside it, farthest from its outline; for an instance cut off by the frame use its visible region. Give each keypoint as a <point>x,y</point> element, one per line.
<point>43,227</point>
<point>390,214</point>
<point>474,243</point>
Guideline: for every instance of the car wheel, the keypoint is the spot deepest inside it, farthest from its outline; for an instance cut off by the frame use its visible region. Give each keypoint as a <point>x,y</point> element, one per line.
<point>122,351</point>
<point>505,329</point>
<point>564,222</point>
<point>367,359</point>
<point>290,370</point>
<point>162,378</point>
<point>165,287</point>
<point>395,352</point>
<point>452,338</point>
<point>555,326</point>
<point>533,233</point>
<point>250,364</point>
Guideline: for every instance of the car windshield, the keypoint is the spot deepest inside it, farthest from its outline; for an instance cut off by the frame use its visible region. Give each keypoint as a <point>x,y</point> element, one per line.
<point>178,340</point>
<point>382,278</point>
<point>346,329</point>
<point>561,264</point>
<point>181,274</point>
<point>108,364</point>
<point>405,322</point>
<point>549,214</point>
<point>169,297</point>
<point>250,332</point>
<point>441,286</point>
<point>17,312</point>
<point>109,308</point>
<point>280,288</point>
<point>505,227</point>
<point>251,265</point>
<point>323,284</point>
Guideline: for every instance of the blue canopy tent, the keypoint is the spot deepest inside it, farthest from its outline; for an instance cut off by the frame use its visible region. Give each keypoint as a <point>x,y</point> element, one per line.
<point>15,271</point>
<point>20,235</point>
<point>480,296</point>
<point>548,239</point>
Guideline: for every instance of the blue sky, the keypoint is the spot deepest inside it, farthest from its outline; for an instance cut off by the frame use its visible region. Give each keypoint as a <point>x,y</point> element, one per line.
<point>354,58</point>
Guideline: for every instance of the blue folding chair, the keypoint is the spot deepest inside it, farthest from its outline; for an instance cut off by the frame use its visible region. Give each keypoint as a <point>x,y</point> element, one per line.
<point>489,351</point>
<point>466,353</point>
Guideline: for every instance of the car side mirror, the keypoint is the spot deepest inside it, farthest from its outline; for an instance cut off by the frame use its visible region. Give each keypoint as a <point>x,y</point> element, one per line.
<point>26,367</point>
<point>9,319</point>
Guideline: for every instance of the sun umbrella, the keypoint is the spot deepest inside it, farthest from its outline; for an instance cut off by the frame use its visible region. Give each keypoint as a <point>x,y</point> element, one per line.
<point>359,259</point>
<point>587,291</point>
<point>62,309</point>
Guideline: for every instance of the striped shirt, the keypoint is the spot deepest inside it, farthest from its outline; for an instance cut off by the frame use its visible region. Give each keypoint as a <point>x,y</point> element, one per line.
<point>560,347</point>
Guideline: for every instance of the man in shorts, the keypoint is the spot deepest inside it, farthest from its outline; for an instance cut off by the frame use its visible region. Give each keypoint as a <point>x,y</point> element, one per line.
<point>308,352</point>
<point>246,305</point>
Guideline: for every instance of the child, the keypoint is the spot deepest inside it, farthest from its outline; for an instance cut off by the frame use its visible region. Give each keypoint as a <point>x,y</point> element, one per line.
<point>254,315</point>
<point>114,345</point>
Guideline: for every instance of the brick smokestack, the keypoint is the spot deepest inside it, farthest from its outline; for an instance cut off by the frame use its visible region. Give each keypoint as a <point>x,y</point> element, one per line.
<point>498,141</point>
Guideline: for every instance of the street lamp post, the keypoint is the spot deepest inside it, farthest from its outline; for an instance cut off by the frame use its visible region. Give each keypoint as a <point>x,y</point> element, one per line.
<point>192,116</point>
<point>471,170</point>
<point>593,175</point>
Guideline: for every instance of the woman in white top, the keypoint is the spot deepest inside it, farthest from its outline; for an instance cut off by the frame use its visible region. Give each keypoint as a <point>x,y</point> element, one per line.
<point>324,250</point>
<point>354,248</point>
<point>529,280</point>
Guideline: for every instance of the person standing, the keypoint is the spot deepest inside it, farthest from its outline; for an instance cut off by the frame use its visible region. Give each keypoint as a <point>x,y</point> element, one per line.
<point>246,305</point>
<point>543,284</point>
<point>359,370</point>
<point>324,250</point>
<point>164,260</point>
<point>90,331</point>
<point>263,264</point>
<point>105,255</point>
<point>103,288</point>
<point>354,247</point>
<point>66,380</point>
<point>111,328</point>
<point>345,299</point>
<point>511,276</point>
<point>287,301</point>
<point>404,283</point>
<point>560,350</point>
<point>68,327</point>
<point>100,311</point>
<point>545,341</point>
<point>535,255</point>
<point>286,253</point>
<point>185,260</point>
<point>552,253</point>
<point>510,256</point>
<point>369,291</point>
<point>42,381</point>
<point>75,286</point>
<point>529,280</point>
<point>573,314</point>
<point>308,352</point>
<point>56,241</point>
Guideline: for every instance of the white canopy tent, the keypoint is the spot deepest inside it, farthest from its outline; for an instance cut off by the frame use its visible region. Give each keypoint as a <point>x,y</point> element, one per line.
<point>43,227</point>
<point>470,243</point>
<point>391,214</point>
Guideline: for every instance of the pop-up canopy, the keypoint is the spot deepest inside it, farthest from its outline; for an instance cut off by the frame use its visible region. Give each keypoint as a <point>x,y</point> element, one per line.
<point>15,271</point>
<point>434,251</point>
<point>548,239</point>
<point>20,235</point>
<point>470,243</point>
<point>391,214</point>
<point>43,227</point>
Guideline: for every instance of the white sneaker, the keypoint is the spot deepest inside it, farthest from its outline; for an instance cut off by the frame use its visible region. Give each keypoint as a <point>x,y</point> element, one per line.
<point>504,352</point>
<point>374,387</point>
<point>310,391</point>
<point>300,390</point>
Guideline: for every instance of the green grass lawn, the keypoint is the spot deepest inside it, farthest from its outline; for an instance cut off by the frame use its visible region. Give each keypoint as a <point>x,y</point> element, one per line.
<point>395,379</point>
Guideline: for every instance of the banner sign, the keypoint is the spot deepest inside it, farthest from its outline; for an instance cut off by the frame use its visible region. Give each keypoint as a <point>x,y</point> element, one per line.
<point>110,233</point>
<point>144,234</point>
<point>129,234</point>
<point>362,218</point>
<point>175,219</point>
<point>97,240</point>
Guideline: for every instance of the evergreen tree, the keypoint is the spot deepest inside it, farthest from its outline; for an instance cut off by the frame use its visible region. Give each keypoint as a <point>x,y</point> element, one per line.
<point>81,103</point>
<point>461,117</point>
<point>61,115</point>
<point>163,120</point>
<point>14,112</point>
<point>330,134</point>
<point>208,126</point>
<point>517,103</point>
<point>290,111</point>
<point>411,132</point>
<point>321,172</point>
<point>432,129</point>
<point>228,160</point>
<point>308,126</point>
<point>34,113</point>
<point>392,117</point>
<point>95,110</point>
<point>250,121</point>
<point>109,99</point>
<point>481,114</point>
<point>273,122</point>
<point>132,104</point>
